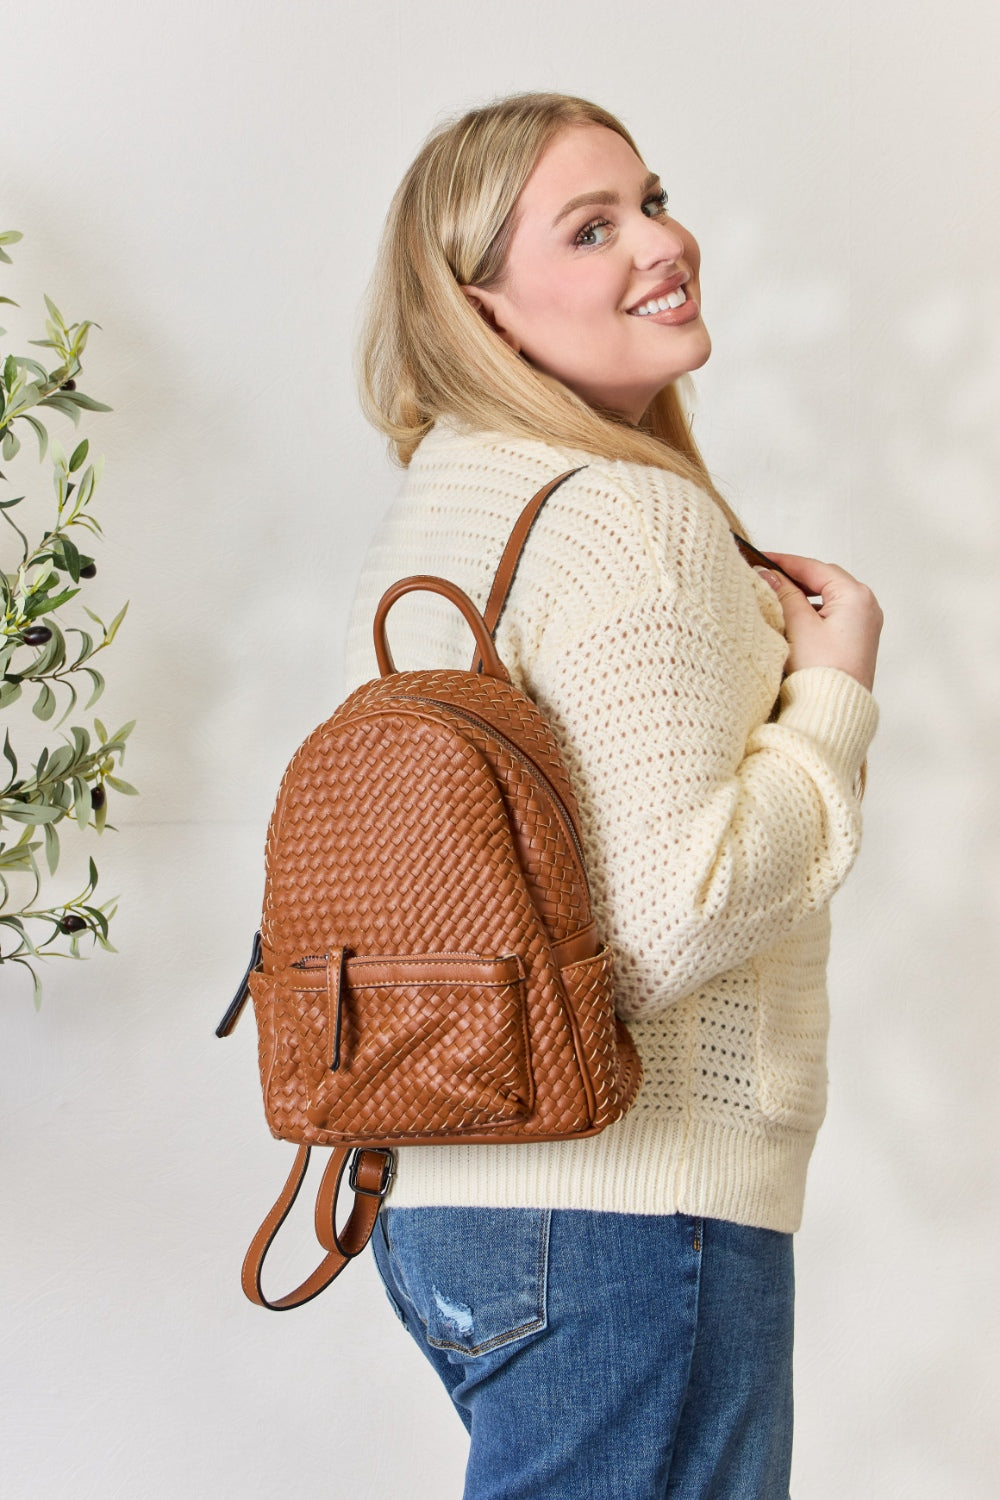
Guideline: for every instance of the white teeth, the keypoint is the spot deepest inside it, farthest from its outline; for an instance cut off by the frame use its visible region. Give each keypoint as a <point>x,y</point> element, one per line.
<point>676,298</point>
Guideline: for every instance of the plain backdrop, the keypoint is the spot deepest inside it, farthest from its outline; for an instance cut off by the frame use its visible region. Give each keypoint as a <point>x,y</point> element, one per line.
<point>207,180</point>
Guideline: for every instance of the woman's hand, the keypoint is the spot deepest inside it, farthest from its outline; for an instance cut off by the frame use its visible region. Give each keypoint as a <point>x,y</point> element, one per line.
<point>842,631</point>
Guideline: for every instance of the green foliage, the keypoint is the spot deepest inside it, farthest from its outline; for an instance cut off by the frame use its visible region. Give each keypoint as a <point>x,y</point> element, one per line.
<point>47,661</point>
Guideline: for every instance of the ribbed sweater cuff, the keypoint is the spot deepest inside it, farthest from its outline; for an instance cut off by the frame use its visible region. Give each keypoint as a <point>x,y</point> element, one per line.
<point>831,708</point>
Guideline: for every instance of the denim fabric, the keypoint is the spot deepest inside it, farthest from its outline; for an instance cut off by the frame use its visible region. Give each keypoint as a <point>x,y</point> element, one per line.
<point>601,1356</point>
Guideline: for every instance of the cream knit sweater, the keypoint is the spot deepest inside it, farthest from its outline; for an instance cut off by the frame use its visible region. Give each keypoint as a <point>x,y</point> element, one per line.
<point>715,832</point>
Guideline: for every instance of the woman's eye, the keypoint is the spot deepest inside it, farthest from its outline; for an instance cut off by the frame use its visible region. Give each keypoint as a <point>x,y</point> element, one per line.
<point>595,233</point>
<point>656,206</point>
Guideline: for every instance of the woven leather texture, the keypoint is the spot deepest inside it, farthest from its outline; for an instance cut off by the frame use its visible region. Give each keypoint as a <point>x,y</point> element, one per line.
<point>431,824</point>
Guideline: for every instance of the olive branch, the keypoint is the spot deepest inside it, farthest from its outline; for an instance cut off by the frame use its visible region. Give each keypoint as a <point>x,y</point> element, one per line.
<point>52,661</point>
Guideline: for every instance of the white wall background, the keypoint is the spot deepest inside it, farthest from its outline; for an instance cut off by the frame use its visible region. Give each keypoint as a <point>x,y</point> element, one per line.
<point>207,180</point>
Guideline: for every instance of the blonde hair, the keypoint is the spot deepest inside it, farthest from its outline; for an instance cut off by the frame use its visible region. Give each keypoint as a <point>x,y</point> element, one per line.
<point>426,352</point>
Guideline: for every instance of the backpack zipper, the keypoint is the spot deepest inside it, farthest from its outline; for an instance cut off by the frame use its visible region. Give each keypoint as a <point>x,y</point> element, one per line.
<point>535,771</point>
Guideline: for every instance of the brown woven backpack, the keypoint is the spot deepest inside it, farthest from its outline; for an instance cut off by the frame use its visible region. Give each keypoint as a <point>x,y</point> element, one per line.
<point>427,969</point>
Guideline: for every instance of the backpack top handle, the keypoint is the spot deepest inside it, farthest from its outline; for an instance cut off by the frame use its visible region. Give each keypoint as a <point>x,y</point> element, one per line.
<point>486,650</point>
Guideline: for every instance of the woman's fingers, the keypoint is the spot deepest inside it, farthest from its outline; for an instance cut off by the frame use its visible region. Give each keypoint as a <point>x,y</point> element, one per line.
<point>843,632</point>
<point>791,596</point>
<point>825,580</point>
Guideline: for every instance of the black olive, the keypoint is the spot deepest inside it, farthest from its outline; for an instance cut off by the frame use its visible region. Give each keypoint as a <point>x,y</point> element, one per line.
<point>89,570</point>
<point>68,385</point>
<point>98,796</point>
<point>72,923</point>
<point>36,635</point>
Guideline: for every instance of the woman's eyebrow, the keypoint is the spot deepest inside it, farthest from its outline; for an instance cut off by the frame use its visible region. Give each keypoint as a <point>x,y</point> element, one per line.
<point>599,196</point>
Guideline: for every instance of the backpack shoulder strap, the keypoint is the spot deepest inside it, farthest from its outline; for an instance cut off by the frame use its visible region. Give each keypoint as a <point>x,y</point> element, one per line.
<point>511,556</point>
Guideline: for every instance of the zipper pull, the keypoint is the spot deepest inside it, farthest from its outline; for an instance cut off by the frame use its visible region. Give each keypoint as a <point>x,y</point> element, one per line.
<point>238,1001</point>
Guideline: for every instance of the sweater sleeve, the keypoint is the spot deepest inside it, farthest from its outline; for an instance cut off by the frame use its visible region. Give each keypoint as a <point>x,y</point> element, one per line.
<point>710,834</point>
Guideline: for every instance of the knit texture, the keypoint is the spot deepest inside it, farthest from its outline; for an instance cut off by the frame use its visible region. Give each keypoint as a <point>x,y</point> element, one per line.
<point>718,808</point>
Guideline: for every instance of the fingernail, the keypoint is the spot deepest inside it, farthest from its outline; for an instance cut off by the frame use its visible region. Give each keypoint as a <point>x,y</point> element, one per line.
<point>769,577</point>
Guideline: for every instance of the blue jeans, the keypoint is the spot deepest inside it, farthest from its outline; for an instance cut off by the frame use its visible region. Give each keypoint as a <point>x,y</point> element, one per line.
<point>601,1356</point>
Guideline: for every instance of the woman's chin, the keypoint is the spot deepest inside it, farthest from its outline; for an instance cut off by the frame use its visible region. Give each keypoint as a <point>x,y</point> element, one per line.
<point>705,351</point>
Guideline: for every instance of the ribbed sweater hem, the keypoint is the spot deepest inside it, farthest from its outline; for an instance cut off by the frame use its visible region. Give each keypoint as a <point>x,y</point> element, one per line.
<point>647,1164</point>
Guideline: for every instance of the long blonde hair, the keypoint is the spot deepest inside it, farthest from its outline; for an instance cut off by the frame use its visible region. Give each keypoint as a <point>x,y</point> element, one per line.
<point>426,353</point>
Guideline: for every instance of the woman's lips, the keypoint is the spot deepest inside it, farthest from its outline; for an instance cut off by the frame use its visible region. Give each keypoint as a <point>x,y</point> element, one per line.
<point>686,312</point>
<point>671,290</point>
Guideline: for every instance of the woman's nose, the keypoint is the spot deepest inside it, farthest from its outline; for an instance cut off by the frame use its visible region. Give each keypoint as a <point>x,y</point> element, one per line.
<point>657,240</point>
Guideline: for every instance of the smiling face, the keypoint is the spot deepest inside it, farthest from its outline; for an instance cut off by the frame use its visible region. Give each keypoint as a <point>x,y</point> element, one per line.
<point>600,286</point>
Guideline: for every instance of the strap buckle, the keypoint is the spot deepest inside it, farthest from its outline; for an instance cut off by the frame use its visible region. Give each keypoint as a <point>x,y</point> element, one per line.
<point>358,1165</point>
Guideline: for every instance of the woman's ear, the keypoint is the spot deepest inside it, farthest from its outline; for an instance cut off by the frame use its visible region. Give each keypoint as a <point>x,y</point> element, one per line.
<point>486,305</point>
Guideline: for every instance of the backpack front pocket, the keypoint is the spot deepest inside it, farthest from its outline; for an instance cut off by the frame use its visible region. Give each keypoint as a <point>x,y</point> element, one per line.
<point>389,1047</point>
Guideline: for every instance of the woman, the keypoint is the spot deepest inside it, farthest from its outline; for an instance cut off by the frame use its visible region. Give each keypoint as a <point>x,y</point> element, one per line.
<point>612,1316</point>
